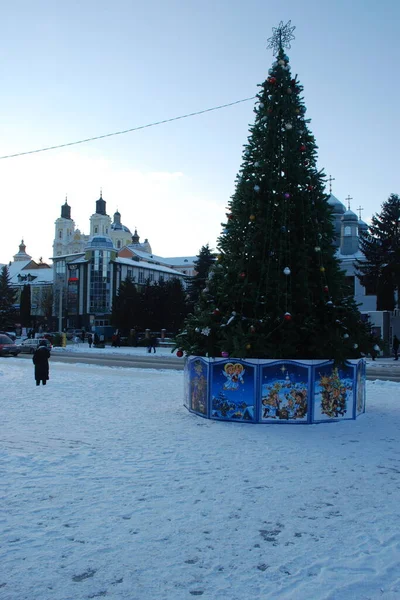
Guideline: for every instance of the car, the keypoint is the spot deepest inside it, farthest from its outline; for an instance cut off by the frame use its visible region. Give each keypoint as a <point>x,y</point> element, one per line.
<point>8,347</point>
<point>30,345</point>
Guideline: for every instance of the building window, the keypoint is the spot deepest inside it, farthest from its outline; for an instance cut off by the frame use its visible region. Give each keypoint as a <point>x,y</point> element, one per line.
<point>350,282</point>
<point>100,280</point>
<point>60,234</point>
<point>119,244</point>
<point>141,276</point>
<point>95,229</point>
<point>151,276</point>
<point>347,230</point>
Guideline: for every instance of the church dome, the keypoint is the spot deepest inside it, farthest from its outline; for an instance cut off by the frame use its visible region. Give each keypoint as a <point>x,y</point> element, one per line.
<point>98,242</point>
<point>119,227</point>
<point>362,225</point>
<point>336,205</point>
<point>349,216</point>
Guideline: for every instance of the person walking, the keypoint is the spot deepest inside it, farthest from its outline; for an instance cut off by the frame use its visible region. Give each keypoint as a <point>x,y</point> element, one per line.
<point>90,339</point>
<point>41,361</point>
<point>396,344</point>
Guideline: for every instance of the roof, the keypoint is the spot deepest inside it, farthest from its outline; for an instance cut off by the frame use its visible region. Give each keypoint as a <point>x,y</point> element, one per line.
<point>176,261</point>
<point>338,207</point>
<point>147,265</point>
<point>100,241</point>
<point>120,227</point>
<point>349,216</point>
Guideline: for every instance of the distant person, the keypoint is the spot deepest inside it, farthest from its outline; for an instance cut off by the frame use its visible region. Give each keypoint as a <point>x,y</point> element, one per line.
<point>96,339</point>
<point>41,361</point>
<point>396,344</point>
<point>90,340</point>
<point>152,344</point>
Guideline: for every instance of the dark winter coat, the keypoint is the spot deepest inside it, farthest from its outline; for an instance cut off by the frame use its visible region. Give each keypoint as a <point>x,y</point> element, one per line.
<point>41,362</point>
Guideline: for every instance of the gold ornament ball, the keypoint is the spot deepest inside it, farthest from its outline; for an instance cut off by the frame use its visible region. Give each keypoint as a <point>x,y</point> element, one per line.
<point>248,346</point>
<point>252,217</point>
<point>322,269</point>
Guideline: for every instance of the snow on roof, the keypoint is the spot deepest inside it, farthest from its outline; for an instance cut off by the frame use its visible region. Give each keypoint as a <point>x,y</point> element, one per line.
<point>177,261</point>
<point>147,265</point>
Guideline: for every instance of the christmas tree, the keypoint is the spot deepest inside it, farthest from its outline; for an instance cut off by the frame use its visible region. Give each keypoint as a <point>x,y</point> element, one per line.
<point>277,290</point>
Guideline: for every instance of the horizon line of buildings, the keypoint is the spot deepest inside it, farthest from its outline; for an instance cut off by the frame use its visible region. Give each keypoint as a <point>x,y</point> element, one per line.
<point>87,269</point>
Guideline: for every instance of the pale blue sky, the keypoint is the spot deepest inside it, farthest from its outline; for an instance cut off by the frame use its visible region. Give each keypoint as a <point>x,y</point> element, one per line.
<point>80,69</point>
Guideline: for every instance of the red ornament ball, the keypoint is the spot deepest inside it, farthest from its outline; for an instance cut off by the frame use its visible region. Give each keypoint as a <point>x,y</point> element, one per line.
<point>287,317</point>
<point>303,148</point>
<point>272,80</point>
<point>230,216</point>
<point>326,289</point>
<point>216,311</point>
<point>179,353</point>
<point>310,188</point>
<point>242,275</point>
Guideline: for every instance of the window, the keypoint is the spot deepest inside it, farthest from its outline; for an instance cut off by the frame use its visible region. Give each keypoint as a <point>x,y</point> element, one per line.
<point>141,276</point>
<point>119,244</point>
<point>347,230</point>
<point>96,229</point>
<point>100,278</point>
<point>60,234</point>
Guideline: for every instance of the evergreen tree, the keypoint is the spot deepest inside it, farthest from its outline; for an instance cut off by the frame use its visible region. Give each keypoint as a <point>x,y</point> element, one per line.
<point>126,306</point>
<point>25,306</point>
<point>381,248</point>
<point>277,290</point>
<point>205,260</point>
<point>176,307</point>
<point>7,301</point>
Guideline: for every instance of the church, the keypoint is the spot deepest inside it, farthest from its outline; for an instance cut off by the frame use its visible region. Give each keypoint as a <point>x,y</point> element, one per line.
<point>88,269</point>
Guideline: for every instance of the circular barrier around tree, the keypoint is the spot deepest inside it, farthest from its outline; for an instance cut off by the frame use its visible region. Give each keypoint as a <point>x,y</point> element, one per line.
<point>275,391</point>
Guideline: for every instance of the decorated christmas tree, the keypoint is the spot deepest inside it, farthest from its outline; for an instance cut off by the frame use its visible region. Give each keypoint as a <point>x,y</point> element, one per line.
<point>277,290</point>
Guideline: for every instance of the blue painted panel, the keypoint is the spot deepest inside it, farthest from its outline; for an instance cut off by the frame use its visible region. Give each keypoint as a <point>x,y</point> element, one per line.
<point>233,390</point>
<point>284,392</point>
<point>198,387</point>
<point>333,392</point>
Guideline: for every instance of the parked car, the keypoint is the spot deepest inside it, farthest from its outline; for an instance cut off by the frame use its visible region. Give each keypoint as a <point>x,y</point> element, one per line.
<point>29,346</point>
<point>11,334</point>
<point>8,347</point>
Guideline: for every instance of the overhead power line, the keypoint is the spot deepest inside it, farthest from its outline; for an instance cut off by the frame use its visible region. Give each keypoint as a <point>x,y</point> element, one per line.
<point>99,137</point>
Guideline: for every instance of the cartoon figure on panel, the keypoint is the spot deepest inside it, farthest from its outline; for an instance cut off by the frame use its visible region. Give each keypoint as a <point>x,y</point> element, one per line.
<point>232,392</point>
<point>284,392</point>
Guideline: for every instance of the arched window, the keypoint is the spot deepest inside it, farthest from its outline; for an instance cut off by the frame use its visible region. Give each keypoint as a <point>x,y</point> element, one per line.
<point>60,234</point>
<point>347,230</point>
<point>95,230</point>
<point>106,229</point>
<point>119,244</point>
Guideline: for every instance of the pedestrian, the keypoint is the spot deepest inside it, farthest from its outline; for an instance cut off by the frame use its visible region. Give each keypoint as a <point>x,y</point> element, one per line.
<point>41,361</point>
<point>96,339</point>
<point>396,344</point>
<point>152,344</point>
<point>90,340</point>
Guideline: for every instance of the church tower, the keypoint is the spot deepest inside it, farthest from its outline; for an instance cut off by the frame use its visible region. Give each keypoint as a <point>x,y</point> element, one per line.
<point>64,232</point>
<point>349,237</point>
<point>100,222</point>
<point>22,254</point>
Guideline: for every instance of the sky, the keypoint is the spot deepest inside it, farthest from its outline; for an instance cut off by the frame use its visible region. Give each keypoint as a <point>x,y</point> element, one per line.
<point>111,488</point>
<point>76,70</point>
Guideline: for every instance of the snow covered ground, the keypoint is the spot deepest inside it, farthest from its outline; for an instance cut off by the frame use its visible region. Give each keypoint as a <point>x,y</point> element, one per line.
<point>110,488</point>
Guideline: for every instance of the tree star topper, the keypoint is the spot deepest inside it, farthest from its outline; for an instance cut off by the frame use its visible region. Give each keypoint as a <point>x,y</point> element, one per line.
<point>281,37</point>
